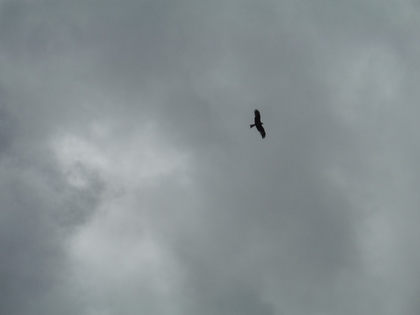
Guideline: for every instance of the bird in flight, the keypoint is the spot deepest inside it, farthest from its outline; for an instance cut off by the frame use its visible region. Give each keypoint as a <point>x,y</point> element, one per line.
<point>258,124</point>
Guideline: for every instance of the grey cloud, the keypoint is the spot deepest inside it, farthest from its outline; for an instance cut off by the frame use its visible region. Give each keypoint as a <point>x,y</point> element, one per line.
<point>7,129</point>
<point>242,225</point>
<point>32,257</point>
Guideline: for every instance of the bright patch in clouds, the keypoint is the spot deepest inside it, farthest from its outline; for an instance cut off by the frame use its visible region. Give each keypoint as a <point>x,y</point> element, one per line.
<point>140,158</point>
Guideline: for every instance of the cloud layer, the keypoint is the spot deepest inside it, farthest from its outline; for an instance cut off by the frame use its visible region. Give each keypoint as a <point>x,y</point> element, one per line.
<point>131,183</point>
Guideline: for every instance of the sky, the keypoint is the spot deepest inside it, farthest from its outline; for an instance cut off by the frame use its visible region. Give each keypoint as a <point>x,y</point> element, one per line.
<point>131,183</point>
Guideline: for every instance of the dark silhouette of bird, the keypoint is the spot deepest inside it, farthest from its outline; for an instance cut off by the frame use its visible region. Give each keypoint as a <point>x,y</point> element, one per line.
<point>258,124</point>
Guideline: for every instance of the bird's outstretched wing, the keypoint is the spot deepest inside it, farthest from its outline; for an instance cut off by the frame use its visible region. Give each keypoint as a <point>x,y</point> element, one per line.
<point>257,118</point>
<point>261,130</point>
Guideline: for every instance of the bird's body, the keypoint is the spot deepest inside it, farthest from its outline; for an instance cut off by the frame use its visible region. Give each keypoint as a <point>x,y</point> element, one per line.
<point>258,124</point>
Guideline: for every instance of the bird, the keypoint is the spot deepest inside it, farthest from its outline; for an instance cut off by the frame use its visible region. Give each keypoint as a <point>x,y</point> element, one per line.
<point>258,124</point>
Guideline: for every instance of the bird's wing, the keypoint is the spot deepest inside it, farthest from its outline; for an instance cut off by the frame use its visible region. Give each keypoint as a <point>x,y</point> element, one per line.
<point>261,130</point>
<point>257,116</point>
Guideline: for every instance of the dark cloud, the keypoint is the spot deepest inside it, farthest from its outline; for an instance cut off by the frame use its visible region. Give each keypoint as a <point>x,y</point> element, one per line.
<point>33,259</point>
<point>7,129</point>
<point>131,182</point>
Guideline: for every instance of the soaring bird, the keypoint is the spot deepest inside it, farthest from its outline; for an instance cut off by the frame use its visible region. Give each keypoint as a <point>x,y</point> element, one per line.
<point>258,124</point>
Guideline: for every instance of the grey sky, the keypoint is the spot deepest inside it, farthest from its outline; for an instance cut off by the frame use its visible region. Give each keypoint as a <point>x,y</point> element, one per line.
<point>131,182</point>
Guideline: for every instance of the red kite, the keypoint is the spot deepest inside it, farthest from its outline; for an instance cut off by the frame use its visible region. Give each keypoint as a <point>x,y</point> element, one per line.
<point>258,124</point>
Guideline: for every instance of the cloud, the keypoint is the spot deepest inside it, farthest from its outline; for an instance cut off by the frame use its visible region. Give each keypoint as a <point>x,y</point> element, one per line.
<point>131,182</point>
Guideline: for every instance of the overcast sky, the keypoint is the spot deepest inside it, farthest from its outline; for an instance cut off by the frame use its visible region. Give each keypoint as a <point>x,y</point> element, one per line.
<point>131,183</point>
